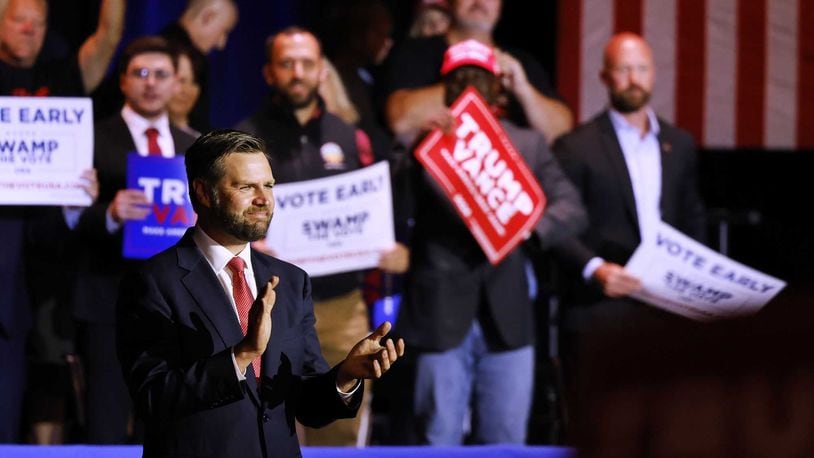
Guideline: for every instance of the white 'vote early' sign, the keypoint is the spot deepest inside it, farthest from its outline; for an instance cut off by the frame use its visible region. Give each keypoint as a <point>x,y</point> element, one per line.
<point>45,145</point>
<point>335,224</point>
<point>683,276</point>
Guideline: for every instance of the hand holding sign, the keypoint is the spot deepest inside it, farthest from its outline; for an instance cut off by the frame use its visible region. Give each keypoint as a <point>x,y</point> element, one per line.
<point>616,281</point>
<point>484,176</point>
<point>90,183</point>
<point>683,276</point>
<point>441,119</point>
<point>395,260</point>
<point>129,205</point>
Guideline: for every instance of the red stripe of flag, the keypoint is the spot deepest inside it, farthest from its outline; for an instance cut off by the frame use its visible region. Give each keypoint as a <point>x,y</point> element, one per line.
<point>627,16</point>
<point>750,84</point>
<point>805,75</point>
<point>691,66</point>
<point>569,53</point>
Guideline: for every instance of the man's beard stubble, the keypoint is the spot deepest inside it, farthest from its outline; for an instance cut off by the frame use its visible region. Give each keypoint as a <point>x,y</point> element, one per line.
<point>237,225</point>
<point>629,100</point>
<point>309,97</point>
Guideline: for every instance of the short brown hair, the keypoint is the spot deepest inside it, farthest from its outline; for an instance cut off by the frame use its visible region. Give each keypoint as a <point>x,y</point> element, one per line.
<point>144,45</point>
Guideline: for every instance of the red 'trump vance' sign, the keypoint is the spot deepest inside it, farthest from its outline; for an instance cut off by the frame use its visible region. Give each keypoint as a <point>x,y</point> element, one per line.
<point>484,177</point>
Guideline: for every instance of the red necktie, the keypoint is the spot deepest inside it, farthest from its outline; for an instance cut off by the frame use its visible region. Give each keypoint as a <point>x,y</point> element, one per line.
<point>243,300</point>
<point>152,142</point>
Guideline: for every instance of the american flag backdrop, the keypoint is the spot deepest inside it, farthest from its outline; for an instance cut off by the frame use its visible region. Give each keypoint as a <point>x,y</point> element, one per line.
<point>736,73</point>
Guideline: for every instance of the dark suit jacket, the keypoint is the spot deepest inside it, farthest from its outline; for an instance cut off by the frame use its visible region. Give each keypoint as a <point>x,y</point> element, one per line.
<point>451,282</point>
<point>100,254</point>
<point>593,160</point>
<point>176,328</point>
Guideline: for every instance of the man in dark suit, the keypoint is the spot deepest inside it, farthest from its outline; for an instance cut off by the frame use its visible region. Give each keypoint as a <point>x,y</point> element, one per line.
<point>212,370</point>
<point>147,80</point>
<point>633,170</point>
<point>474,320</point>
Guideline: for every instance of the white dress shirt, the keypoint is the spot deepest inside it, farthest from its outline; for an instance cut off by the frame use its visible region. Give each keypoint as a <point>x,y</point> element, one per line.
<point>643,159</point>
<point>218,257</point>
<point>137,125</point>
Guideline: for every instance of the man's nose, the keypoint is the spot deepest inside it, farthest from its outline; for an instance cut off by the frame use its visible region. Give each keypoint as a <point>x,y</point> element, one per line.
<point>299,69</point>
<point>262,196</point>
<point>28,27</point>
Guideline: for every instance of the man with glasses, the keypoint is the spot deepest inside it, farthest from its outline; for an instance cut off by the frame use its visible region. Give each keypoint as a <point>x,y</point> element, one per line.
<point>147,78</point>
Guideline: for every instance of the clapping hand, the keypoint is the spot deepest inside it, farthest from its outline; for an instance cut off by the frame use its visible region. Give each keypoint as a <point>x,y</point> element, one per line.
<point>369,358</point>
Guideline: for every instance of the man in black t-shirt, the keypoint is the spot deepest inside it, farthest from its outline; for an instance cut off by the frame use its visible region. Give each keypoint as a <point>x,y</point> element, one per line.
<point>415,102</point>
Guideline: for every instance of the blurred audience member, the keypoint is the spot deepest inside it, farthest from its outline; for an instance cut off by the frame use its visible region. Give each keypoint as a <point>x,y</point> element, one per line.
<point>416,93</point>
<point>186,96</point>
<point>431,18</point>
<point>633,171</point>
<point>473,320</point>
<point>365,29</point>
<point>203,26</point>
<point>147,79</point>
<point>22,32</point>
<point>306,142</point>
<point>23,27</point>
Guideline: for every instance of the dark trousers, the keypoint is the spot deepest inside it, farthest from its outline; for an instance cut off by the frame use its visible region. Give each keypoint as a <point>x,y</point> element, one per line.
<point>108,402</point>
<point>12,383</point>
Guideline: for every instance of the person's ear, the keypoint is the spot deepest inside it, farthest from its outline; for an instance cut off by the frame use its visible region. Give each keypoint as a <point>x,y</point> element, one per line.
<point>604,76</point>
<point>201,194</point>
<point>268,75</point>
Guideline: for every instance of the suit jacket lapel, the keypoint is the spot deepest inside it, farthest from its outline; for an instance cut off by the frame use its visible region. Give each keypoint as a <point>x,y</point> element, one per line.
<point>617,161</point>
<point>263,271</point>
<point>205,289</point>
<point>121,133</point>
<point>667,178</point>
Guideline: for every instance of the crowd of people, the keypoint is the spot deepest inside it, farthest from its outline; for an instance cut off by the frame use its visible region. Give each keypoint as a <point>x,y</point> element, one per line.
<point>126,358</point>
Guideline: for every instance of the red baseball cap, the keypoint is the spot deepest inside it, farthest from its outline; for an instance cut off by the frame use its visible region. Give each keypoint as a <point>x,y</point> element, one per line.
<point>469,52</point>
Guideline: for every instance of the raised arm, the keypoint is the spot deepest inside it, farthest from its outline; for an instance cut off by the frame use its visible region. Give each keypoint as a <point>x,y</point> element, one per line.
<point>409,111</point>
<point>544,114</point>
<point>97,51</point>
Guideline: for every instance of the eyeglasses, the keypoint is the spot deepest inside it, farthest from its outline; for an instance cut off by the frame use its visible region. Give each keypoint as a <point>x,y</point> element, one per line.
<point>144,73</point>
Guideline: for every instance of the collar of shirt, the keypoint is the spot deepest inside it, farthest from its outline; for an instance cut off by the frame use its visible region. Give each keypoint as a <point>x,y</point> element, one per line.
<point>218,256</point>
<point>137,124</point>
<point>621,124</point>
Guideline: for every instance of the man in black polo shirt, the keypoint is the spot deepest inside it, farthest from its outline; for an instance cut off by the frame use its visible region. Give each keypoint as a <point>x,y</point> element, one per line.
<point>307,142</point>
